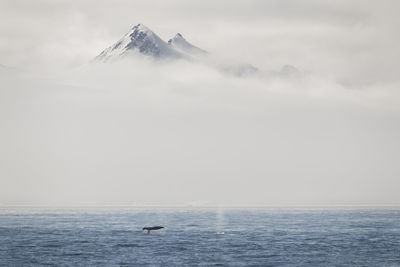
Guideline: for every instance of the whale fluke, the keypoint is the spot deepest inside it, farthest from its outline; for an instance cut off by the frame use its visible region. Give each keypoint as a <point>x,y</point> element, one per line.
<point>148,229</point>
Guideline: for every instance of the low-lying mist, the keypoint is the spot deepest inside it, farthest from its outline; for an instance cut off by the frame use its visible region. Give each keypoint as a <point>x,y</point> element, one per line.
<point>174,133</point>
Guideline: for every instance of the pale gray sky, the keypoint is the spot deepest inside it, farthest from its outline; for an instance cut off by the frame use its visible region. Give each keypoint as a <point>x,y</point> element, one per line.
<point>184,133</point>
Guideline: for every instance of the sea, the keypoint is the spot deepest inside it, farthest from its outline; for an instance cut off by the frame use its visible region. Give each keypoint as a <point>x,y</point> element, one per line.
<point>194,236</point>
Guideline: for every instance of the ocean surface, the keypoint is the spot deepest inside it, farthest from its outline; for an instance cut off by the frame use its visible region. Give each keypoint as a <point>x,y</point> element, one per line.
<point>200,237</point>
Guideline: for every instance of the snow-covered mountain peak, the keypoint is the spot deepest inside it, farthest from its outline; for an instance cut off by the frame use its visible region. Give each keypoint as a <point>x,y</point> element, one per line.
<point>142,40</point>
<point>180,43</point>
<point>141,31</point>
<point>141,27</point>
<point>177,38</point>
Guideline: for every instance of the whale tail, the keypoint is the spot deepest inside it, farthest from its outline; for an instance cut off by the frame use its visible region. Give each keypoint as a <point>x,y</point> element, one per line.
<point>148,229</point>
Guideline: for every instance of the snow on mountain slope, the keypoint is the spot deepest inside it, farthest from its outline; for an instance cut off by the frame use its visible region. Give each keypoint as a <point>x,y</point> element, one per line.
<point>142,40</point>
<point>180,43</point>
<point>139,39</point>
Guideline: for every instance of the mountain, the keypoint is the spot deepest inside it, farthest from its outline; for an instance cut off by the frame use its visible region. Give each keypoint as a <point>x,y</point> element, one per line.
<point>238,69</point>
<point>180,43</point>
<point>142,40</point>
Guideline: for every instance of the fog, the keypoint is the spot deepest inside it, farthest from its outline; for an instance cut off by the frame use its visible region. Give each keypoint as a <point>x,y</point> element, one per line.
<point>143,132</point>
<point>121,134</point>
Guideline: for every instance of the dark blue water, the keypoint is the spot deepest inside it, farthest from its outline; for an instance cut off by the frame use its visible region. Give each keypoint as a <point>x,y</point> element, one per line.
<point>202,237</point>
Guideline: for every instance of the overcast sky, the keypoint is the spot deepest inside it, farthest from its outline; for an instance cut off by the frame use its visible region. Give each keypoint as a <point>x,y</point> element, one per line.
<point>179,133</point>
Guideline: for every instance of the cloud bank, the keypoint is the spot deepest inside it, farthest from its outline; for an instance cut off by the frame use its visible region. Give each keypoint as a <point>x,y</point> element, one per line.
<point>172,133</point>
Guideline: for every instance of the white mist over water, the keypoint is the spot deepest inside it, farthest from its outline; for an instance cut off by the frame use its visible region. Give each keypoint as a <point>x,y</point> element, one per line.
<point>172,133</point>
